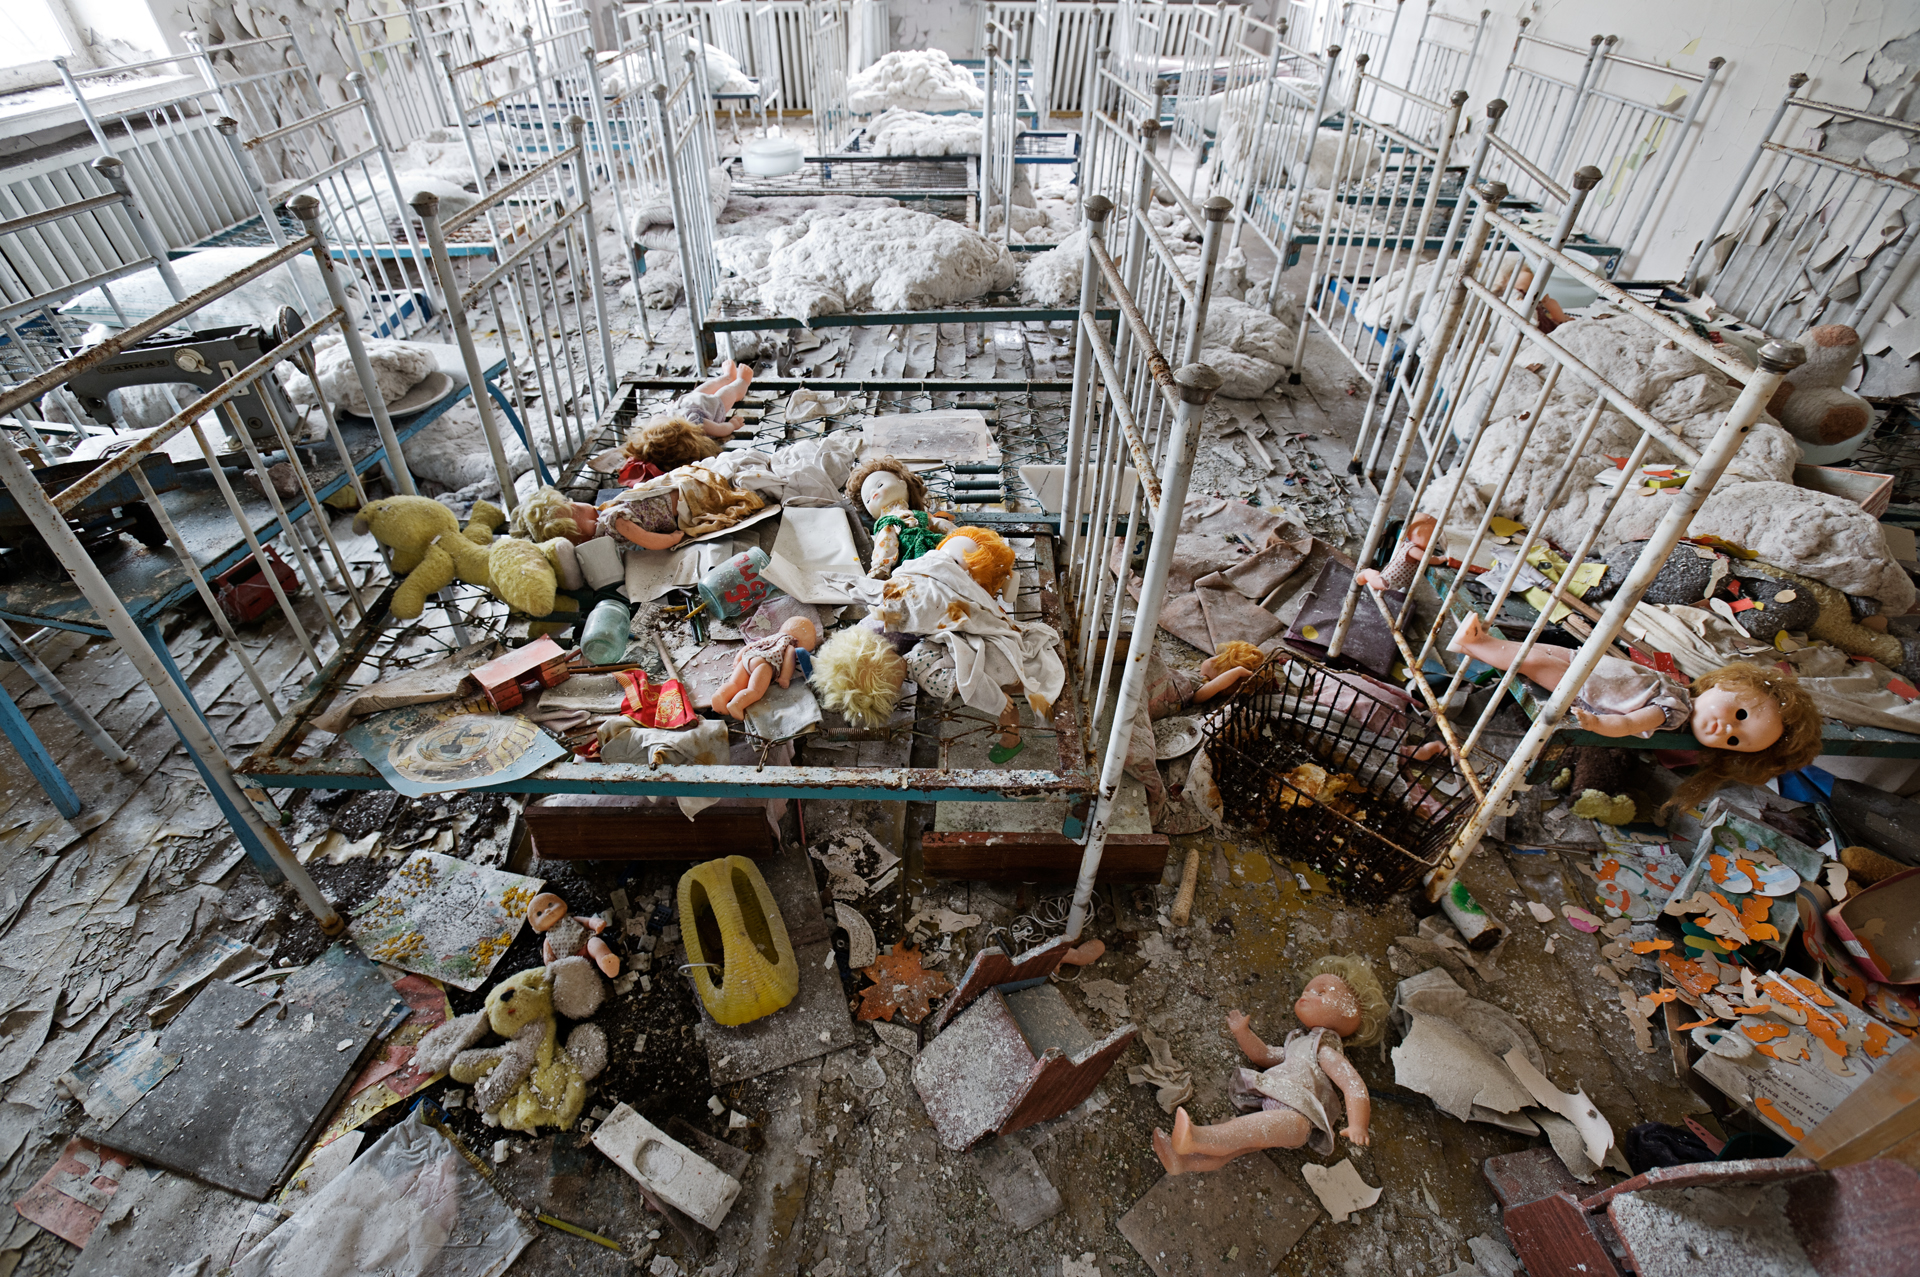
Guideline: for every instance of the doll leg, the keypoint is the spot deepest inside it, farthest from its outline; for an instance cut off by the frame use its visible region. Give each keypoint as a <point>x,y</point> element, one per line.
<point>1010,742</point>
<point>1544,665</point>
<point>755,691</point>
<point>1270,1128</point>
<point>723,696</point>
<point>1175,1164</point>
<point>603,957</point>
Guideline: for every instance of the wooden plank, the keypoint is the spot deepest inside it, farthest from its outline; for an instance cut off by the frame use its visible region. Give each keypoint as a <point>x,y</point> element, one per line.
<point>1553,1239</point>
<point>626,827</point>
<point>1880,1116</point>
<point>1040,857</point>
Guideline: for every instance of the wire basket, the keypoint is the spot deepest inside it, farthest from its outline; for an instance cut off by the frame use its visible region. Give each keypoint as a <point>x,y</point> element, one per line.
<point>1319,762</point>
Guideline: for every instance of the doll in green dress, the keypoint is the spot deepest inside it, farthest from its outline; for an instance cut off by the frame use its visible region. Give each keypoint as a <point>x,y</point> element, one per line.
<point>903,528</point>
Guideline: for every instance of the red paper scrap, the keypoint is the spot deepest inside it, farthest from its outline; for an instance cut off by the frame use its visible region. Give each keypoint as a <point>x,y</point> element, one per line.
<point>74,1193</point>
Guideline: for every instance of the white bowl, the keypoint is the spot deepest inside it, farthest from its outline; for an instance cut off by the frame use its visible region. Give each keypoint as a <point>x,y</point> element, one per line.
<point>773,157</point>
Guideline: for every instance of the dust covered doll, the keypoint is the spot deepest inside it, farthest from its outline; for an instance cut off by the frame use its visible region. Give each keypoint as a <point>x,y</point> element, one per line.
<point>1295,1096</point>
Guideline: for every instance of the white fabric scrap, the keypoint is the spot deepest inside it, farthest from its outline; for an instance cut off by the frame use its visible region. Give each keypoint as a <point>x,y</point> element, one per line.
<point>1339,1188</point>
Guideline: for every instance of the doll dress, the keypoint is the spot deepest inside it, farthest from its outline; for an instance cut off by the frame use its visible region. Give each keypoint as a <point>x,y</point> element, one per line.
<point>1298,1083</point>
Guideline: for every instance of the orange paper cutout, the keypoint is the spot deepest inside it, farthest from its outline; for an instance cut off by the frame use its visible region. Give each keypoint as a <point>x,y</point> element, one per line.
<point>1648,946</point>
<point>1771,1111</point>
<point>1698,1024</point>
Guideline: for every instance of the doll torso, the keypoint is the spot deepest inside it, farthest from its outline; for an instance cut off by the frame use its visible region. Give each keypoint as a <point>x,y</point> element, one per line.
<point>1621,687</point>
<point>770,651</point>
<point>914,528</point>
<point>1297,1082</point>
<point>568,936</point>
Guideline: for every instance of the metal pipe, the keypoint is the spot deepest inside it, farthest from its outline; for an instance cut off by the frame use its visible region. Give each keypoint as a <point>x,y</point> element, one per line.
<point>1695,101</point>
<point>1217,209</point>
<point>180,710</point>
<point>695,321</point>
<point>1198,384</point>
<point>307,209</point>
<point>22,655</point>
<point>1488,198</point>
<point>1080,398</point>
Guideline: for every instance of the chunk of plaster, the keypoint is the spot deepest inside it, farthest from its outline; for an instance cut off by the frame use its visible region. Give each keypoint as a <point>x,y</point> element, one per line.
<point>1339,1188</point>
<point>1595,1133</point>
<point>1540,912</point>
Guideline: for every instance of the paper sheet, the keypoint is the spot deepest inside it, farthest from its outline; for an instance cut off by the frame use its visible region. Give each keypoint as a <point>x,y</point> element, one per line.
<point>651,575</point>
<point>1339,1188</point>
<point>1596,1135</point>
<point>811,543</point>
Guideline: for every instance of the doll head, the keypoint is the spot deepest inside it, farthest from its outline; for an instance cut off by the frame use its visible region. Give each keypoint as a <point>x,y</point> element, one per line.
<point>549,513</point>
<point>546,911</point>
<point>669,443</point>
<point>883,482</point>
<point>1233,655</point>
<point>1757,723</point>
<point>802,632</point>
<point>1420,530</point>
<point>1344,995</point>
<point>988,557</point>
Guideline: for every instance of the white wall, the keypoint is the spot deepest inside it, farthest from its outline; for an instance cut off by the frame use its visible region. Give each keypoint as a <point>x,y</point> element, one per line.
<point>1763,41</point>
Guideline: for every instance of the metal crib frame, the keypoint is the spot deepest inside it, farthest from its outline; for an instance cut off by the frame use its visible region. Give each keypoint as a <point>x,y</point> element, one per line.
<point>1594,115</point>
<point>1482,327</point>
<point>243,805</point>
<point>1440,65</point>
<point>1771,267</point>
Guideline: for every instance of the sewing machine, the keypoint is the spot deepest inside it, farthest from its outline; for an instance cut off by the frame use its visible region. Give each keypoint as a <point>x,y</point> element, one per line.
<point>203,359</point>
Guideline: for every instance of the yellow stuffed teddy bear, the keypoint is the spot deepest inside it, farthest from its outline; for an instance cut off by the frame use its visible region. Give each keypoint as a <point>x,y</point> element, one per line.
<point>531,1081</point>
<point>430,549</point>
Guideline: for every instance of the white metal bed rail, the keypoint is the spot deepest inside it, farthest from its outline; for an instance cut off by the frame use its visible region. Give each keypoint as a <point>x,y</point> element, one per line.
<point>548,308</point>
<point>318,568</point>
<point>999,130</point>
<point>1815,232</point>
<point>1444,54</point>
<point>89,243</point>
<point>402,74</point>
<point>1376,216</point>
<point>187,178</point>
<point>1485,332</point>
<point>1129,410</point>
<point>1369,29</point>
<point>678,108</point>
<point>1632,119</point>
<point>1264,144</point>
<point>826,70</point>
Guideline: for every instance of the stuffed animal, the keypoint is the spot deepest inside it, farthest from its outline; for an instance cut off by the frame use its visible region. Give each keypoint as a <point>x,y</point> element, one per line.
<point>531,1081</point>
<point>1813,402</point>
<point>431,550</point>
<point>859,674</point>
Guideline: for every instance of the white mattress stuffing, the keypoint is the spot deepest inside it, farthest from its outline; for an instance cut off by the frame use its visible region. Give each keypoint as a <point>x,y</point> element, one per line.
<point>1052,278</point>
<point>880,259</point>
<point>398,366</point>
<point>724,73</point>
<point>443,153</point>
<point>655,217</point>
<point>901,132</point>
<point>452,450</point>
<point>916,79</point>
<point>1248,347</point>
<point>1755,506</point>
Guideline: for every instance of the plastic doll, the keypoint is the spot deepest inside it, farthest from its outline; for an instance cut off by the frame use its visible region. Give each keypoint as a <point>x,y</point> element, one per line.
<point>760,662</point>
<point>1755,722</point>
<point>661,445</point>
<point>569,936</point>
<point>710,404</point>
<point>662,512</point>
<point>1293,1099</point>
<point>1403,565</point>
<point>903,529</point>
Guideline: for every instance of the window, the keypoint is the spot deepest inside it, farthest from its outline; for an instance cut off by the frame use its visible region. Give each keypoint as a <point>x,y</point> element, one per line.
<point>30,32</point>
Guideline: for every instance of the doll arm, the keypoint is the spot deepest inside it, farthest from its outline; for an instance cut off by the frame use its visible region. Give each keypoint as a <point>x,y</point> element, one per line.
<point>1249,1043</point>
<point>1220,683</point>
<point>1359,1104</point>
<point>647,540</point>
<point>786,668</point>
<point>1647,718</point>
<point>886,552</point>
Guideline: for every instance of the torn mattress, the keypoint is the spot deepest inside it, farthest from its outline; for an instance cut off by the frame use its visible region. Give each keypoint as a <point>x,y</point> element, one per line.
<point>900,132</point>
<point>914,79</point>
<point>880,259</point>
<point>1755,505</point>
